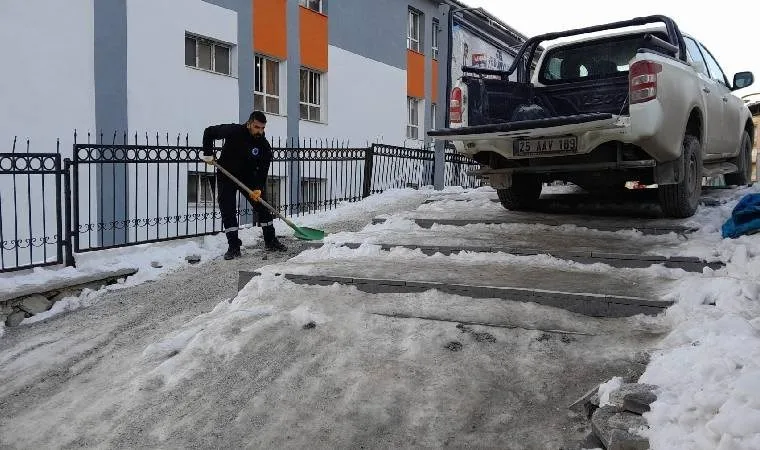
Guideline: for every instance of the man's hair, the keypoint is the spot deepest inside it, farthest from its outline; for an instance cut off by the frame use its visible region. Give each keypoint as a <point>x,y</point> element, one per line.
<point>258,116</point>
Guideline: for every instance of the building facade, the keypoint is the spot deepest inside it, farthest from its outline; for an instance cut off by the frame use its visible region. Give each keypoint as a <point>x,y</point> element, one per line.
<point>356,71</point>
<point>352,71</point>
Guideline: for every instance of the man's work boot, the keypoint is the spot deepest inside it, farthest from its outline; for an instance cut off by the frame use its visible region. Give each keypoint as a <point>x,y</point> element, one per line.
<point>233,243</point>
<point>232,252</point>
<point>275,246</point>
<point>271,244</point>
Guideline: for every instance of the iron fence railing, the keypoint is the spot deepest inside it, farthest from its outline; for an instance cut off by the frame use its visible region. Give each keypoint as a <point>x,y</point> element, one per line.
<point>30,210</point>
<point>111,195</point>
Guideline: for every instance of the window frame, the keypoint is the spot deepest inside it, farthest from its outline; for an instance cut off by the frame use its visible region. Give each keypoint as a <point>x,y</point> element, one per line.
<point>312,85</point>
<point>410,39</point>
<point>214,43</point>
<point>198,178</point>
<point>307,4</point>
<point>708,56</point>
<point>688,40</point>
<point>265,95</point>
<point>272,193</point>
<point>412,108</point>
<point>312,199</point>
<point>434,44</point>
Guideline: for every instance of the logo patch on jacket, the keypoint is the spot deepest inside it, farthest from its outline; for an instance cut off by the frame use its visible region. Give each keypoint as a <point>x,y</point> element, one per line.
<point>255,151</point>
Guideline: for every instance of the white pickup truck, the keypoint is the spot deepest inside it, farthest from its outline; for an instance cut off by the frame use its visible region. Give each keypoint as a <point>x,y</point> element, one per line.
<point>631,100</point>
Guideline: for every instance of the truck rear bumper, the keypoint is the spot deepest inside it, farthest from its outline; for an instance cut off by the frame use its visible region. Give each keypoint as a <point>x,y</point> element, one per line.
<point>559,168</point>
<point>523,125</point>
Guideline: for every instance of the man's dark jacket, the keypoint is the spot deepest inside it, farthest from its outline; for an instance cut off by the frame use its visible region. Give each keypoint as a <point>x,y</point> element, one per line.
<point>244,155</point>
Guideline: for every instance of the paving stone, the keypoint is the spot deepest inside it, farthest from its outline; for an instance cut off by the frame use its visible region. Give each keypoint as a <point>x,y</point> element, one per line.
<point>611,427</point>
<point>35,304</point>
<point>14,319</point>
<point>639,402</point>
<point>638,395</point>
<point>193,259</point>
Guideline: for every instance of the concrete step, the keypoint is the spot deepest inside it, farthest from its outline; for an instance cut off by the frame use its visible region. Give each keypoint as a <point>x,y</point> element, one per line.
<point>594,305</point>
<point>620,260</point>
<point>645,228</point>
<point>593,293</point>
<point>76,282</point>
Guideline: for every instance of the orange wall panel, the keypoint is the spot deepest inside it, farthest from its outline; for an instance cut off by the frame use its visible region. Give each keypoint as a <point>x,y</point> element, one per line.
<point>270,28</point>
<point>435,82</point>
<point>313,32</point>
<point>415,74</point>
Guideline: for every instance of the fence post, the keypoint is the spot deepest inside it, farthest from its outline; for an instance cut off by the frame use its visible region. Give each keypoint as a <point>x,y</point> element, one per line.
<point>58,213</point>
<point>439,165</point>
<point>368,162</point>
<point>67,234</point>
<point>75,206</point>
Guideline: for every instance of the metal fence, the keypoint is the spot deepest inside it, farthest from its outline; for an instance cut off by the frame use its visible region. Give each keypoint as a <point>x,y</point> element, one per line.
<point>30,210</point>
<point>116,195</point>
<point>458,168</point>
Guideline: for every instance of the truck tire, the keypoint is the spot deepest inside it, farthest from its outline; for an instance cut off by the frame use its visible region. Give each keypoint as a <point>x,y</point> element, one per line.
<point>744,162</point>
<point>523,194</point>
<point>681,200</point>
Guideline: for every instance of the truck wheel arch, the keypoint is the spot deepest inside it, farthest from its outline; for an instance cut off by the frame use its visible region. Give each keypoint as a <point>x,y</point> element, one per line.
<point>695,124</point>
<point>749,127</point>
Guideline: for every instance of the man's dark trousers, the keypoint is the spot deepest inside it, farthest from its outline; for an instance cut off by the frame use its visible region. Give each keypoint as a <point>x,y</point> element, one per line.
<point>228,206</point>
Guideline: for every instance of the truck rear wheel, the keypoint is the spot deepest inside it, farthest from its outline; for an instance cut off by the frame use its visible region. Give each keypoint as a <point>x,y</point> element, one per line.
<point>523,195</point>
<point>744,162</point>
<point>680,200</point>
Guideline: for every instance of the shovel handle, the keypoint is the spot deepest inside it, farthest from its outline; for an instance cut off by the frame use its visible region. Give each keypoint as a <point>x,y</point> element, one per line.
<point>249,192</point>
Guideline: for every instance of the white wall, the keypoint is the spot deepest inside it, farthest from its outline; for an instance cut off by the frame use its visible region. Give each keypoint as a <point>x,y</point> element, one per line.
<point>47,80</point>
<point>163,94</point>
<point>366,101</point>
<point>46,91</point>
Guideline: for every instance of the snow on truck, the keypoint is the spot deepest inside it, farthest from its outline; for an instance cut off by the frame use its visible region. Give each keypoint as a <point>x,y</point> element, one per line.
<point>635,100</point>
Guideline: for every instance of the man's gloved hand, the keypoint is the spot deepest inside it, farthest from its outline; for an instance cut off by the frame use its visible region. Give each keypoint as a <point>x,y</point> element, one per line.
<point>209,159</point>
<point>255,195</point>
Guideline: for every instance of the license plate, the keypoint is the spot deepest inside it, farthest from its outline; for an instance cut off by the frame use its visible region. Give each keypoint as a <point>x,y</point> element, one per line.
<point>529,147</point>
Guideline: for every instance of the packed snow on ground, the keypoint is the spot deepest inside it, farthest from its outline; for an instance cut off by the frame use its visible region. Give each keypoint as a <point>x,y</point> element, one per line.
<point>707,368</point>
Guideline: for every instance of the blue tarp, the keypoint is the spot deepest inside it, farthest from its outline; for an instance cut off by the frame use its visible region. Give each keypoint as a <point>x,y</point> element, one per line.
<point>745,218</point>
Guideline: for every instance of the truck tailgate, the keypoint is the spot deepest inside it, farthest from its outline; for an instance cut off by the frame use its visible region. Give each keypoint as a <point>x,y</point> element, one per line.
<point>526,128</point>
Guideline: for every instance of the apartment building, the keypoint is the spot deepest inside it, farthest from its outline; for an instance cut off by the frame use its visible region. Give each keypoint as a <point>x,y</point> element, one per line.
<point>351,70</point>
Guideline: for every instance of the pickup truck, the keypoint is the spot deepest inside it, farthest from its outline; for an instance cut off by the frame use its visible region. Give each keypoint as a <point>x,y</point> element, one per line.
<point>635,100</point>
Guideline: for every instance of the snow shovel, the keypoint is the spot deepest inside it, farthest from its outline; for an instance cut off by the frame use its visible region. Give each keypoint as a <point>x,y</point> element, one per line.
<point>305,233</point>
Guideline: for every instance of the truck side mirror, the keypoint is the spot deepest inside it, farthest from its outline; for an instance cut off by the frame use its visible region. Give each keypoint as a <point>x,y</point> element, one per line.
<point>742,80</point>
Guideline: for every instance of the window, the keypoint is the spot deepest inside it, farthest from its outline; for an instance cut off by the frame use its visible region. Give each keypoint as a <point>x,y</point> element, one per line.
<point>695,55</point>
<point>313,190</point>
<point>433,115</point>
<point>603,58</point>
<point>434,39</point>
<point>266,90</point>
<point>315,5</point>
<point>311,95</point>
<point>413,31</point>
<point>413,124</point>
<point>716,73</point>
<point>201,187</point>
<point>207,54</point>
<point>272,192</point>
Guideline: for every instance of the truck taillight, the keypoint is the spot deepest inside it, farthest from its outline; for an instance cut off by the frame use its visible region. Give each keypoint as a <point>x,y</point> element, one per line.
<point>455,106</point>
<point>642,83</point>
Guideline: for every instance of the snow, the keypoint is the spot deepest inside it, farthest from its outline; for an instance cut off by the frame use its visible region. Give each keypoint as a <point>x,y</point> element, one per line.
<point>607,388</point>
<point>171,255</point>
<point>707,366</point>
